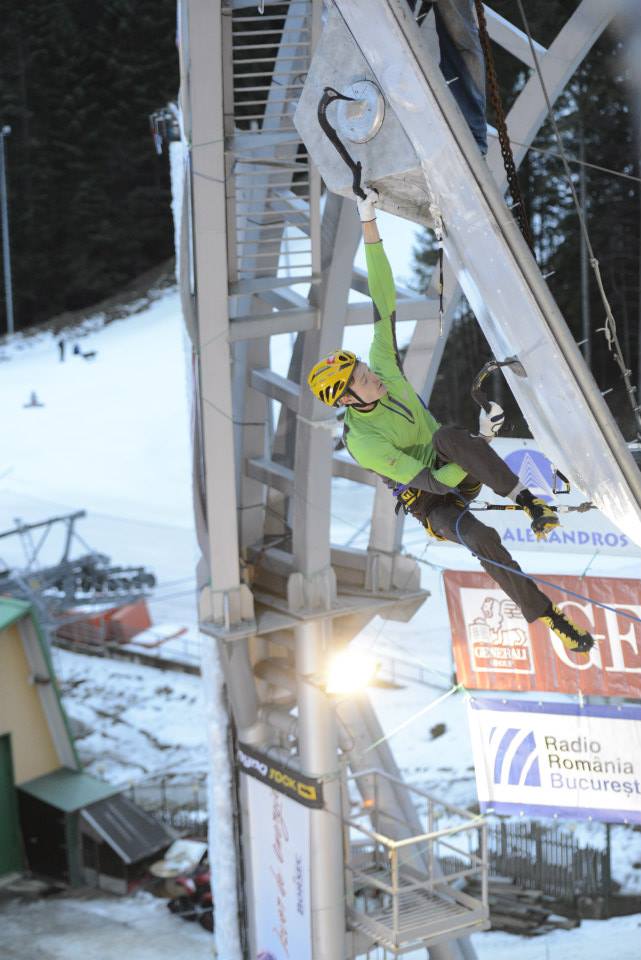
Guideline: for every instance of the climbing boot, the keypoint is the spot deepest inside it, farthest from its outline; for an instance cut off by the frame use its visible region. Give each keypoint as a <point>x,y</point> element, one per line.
<point>573,638</point>
<point>543,517</point>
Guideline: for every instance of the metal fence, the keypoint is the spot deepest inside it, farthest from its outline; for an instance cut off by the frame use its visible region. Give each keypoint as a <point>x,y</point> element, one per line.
<point>177,802</point>
<point>533,856</point>
<point>549,860</point>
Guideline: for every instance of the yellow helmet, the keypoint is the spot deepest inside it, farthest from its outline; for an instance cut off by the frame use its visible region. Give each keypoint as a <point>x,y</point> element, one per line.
<point>329,378</point>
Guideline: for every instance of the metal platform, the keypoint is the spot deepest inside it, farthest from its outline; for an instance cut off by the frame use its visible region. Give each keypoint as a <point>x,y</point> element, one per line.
<point>419,919</point>
<point>405,886</point>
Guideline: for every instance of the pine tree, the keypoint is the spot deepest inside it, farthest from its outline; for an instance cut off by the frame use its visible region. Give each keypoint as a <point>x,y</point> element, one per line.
<point>89,198</point>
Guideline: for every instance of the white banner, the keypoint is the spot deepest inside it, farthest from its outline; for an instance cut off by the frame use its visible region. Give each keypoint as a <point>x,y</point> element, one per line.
<point>557,759</point>
<point>588,532</point>
<point>279,836</point>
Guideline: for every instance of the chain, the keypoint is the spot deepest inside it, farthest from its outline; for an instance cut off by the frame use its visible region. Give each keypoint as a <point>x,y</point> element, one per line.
<point>518,205</point>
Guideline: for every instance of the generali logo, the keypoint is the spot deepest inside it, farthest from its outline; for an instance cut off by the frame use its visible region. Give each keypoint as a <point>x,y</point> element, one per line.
<point>497,632</point>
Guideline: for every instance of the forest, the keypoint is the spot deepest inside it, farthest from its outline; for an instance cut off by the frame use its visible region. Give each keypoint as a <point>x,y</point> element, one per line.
<point>89,199</point>
<point>89,202</point>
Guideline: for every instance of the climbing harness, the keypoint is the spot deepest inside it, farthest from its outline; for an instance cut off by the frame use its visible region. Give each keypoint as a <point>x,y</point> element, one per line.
<point>518,206</point>
<point>330,95</point>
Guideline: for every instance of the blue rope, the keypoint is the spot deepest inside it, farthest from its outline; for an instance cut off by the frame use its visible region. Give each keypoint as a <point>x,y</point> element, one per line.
<point>529,576</point>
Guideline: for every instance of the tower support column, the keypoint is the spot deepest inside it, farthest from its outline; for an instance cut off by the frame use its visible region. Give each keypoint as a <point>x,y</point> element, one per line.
<point>318,748</point>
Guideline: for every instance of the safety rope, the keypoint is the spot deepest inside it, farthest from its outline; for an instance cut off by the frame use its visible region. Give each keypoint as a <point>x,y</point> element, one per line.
<point>419,713</point>
<point>518,206</point>
<point>534,579</point>
<point>609,329</point>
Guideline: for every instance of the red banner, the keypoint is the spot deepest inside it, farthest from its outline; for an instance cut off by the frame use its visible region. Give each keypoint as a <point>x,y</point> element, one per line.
<point>496,649</point>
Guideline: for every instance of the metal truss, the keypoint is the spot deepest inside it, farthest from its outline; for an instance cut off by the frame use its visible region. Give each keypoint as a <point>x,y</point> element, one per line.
<point>265,253</point>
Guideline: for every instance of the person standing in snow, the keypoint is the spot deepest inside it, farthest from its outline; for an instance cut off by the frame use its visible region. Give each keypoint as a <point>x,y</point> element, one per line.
<point>434,470</point>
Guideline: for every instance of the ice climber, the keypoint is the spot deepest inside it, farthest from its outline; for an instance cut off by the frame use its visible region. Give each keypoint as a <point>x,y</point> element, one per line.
<point>434,470</point>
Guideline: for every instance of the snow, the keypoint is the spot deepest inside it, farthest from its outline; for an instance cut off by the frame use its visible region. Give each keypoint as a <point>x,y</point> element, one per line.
<point>113,438</point>
<point>113,434</point>
<point>619,937</point>
<point>101,928</point>
<point>137,721</point>
<point>222,849</point>
<point>107,928</point>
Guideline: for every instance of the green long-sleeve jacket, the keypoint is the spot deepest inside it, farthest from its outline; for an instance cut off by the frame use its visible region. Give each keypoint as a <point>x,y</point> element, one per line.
<point>395,438</point>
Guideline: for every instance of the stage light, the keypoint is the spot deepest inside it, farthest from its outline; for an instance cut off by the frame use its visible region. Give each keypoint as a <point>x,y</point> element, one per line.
<point>350,671</point>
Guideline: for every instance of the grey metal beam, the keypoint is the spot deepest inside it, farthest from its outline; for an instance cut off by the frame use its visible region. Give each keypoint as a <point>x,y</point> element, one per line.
<point>348,469</point>
<point>509,37</point>
<point>276,387</point>
<point>563,56</point>
<point>260,284</point>
<point>556,376</point>
<point>318,750</point>
<point>228,602</point>
<point>271,474</point>
<point>418,309</point>
<point>284,299</point>
<point>251,326</point>
<point>313,461</point>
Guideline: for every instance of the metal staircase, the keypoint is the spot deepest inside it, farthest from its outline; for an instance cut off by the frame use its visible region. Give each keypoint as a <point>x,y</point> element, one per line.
<point>265,254</point>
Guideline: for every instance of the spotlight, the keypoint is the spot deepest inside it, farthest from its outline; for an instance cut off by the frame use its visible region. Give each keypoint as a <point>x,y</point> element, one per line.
<point>350,671</point>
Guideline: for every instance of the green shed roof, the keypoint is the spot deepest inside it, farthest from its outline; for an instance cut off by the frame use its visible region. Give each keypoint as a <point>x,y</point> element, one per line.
<point>12,610</point>
<point>68,790</point>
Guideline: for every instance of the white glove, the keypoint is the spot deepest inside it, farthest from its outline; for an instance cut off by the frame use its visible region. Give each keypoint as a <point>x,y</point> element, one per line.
<point>491,423</point>
<point>366,207</point>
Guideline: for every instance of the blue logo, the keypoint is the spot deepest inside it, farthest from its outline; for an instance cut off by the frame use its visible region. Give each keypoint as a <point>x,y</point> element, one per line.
<point>523,768</point>
<point>534,470</point>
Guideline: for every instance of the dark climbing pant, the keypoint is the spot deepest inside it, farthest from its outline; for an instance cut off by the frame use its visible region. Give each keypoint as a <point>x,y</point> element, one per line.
<point>440,515</point>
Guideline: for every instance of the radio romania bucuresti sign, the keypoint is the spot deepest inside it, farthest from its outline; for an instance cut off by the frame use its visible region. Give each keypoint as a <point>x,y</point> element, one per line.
<point>557,759</point>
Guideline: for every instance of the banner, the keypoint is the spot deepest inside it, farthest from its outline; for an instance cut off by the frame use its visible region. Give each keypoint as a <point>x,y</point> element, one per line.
<point>496,649</point>
<point>279,838</point>
<point>557,759</point>
<point>293,784</point>
<point>588,532</point>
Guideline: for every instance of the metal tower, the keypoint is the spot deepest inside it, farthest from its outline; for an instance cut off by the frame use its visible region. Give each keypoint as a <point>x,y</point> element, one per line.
<point>264,254</point>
